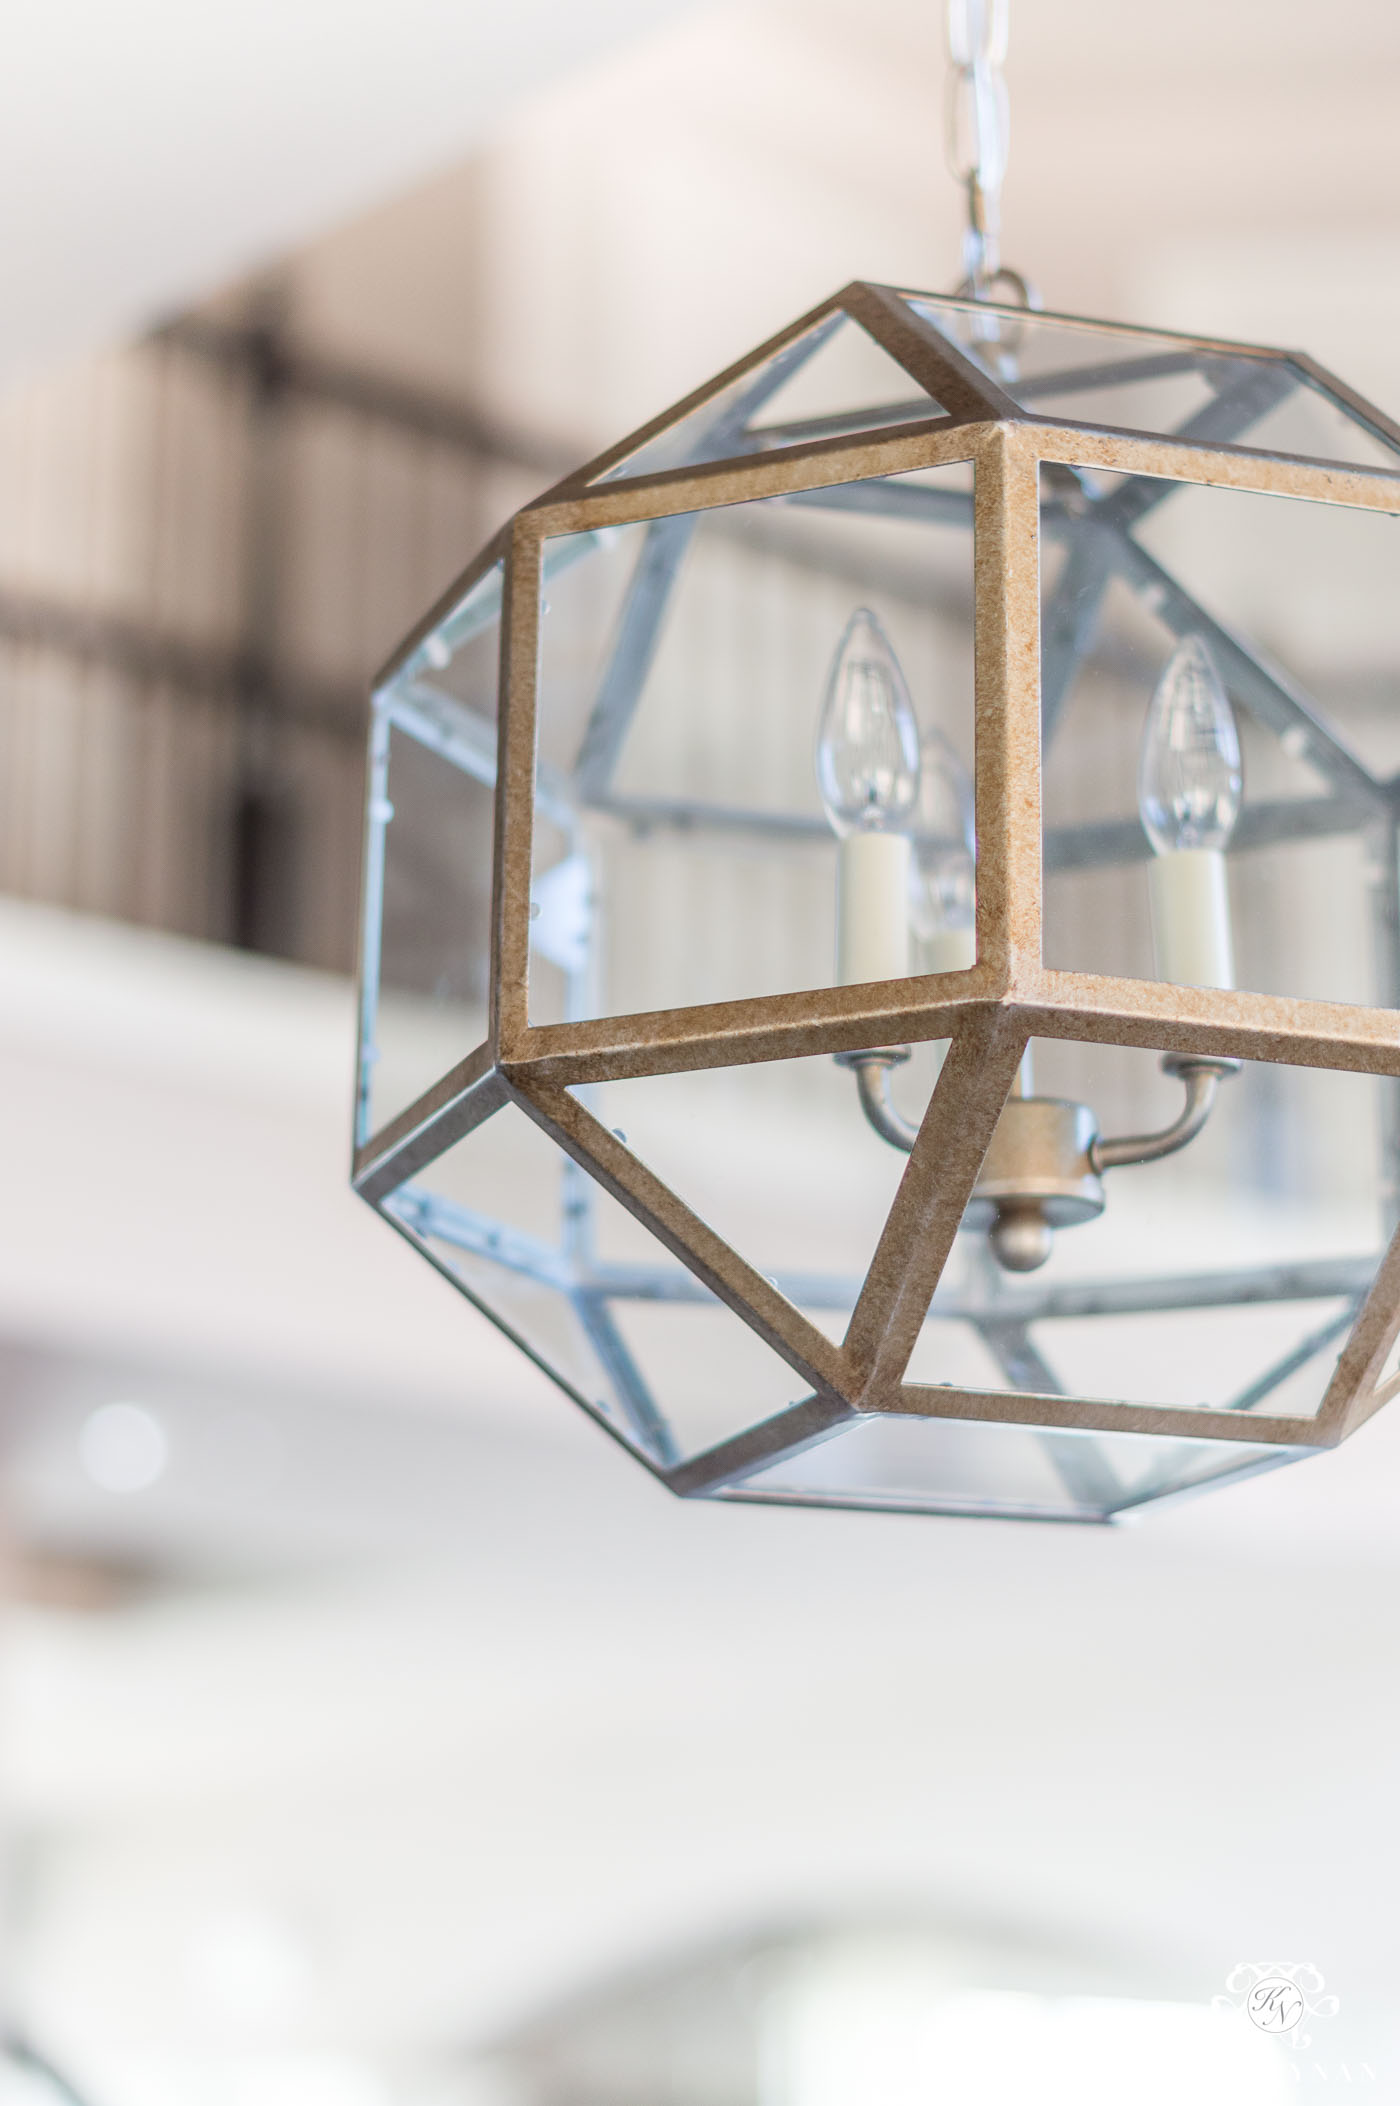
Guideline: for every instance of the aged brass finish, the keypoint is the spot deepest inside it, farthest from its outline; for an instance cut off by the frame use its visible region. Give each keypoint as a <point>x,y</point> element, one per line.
<point>1202,1079</point>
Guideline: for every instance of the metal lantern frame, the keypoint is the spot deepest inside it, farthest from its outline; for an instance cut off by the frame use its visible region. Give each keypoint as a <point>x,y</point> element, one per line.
<point>987,1012</point>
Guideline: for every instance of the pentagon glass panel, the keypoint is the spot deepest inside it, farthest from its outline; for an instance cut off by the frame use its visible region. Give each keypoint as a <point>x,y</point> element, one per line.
<point>685,669</point>
<point>1147,587</point>
<point>425,939</point>
<point>1068,371</point>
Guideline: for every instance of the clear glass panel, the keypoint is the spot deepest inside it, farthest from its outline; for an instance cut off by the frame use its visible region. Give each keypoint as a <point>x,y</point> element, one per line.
<point>952,1466</point>
<point>834,379</point>
<point>1273,1357</point>
<point>538,1316</point>
<point>777,1158</point>
<point>849,383</point>
<point>602,1306</point>
<point>712,1375</point>
<point>1293,604</point>
<point>427,908</point>
<point>1310,588</point>
<point>685,668</point>
<point>1139,380</point>
<point>1225,1276</point>
<point>1313,422</point>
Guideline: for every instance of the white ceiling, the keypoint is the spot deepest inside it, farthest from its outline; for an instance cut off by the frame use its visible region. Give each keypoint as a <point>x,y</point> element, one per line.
<point>1222,167</point>
<point>151,151</point>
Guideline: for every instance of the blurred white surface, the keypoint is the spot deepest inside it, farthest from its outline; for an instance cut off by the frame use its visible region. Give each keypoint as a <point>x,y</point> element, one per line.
<point>874,2020</point>
<point>456,1710</point>
<point>152,151</point>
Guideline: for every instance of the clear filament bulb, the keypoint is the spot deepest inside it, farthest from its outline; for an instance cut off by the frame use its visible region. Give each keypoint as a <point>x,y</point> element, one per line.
<point>868,740</point>
<point>943,893</point>
<point>1189,776</point>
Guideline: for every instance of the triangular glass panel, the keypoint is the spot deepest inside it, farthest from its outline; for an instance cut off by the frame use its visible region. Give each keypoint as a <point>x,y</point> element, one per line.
<point>833,380</point>
<point>849,384</point>
<point>1316,424</point>
<point>600,1305</point>
<point>712,1375</point>
<point>777,1159</point>
<point>1140,380</point>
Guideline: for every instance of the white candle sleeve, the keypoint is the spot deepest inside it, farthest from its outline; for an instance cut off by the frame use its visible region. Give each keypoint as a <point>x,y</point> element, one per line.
<point>1191,918</point>
<point>872,908</point>
<point>950,951</point>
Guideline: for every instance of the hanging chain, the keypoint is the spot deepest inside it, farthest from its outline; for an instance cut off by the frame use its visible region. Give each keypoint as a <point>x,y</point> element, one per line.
<point>976,127</point>
<point>977,137</point>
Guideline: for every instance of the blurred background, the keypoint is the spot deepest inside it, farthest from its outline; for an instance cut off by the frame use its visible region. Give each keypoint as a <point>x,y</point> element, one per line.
<point>372,1732</point>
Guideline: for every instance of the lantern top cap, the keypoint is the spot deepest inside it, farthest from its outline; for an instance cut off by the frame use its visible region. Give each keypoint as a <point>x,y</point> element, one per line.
<point>877,358</point>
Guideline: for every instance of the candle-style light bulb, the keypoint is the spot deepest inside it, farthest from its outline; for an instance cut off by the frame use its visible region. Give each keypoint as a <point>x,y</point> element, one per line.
<point>868,761</point>
<point>868,739</point>
<point>943,893</point>
<point>1189,774</point>
<point>1189,784</point>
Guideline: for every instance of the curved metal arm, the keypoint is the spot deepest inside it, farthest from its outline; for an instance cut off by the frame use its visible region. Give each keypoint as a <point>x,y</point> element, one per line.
<point>872,1073</point>
<point>1202,1078</point>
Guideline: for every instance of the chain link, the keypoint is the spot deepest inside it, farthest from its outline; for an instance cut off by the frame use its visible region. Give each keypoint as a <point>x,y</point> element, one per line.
<point>977,126</point>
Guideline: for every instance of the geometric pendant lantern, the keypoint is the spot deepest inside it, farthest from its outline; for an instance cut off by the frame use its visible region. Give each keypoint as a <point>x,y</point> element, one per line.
<point>881,938</point>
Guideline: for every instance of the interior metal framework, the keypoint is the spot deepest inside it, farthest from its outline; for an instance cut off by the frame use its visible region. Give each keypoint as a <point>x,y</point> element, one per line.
<point>989,1011</point>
